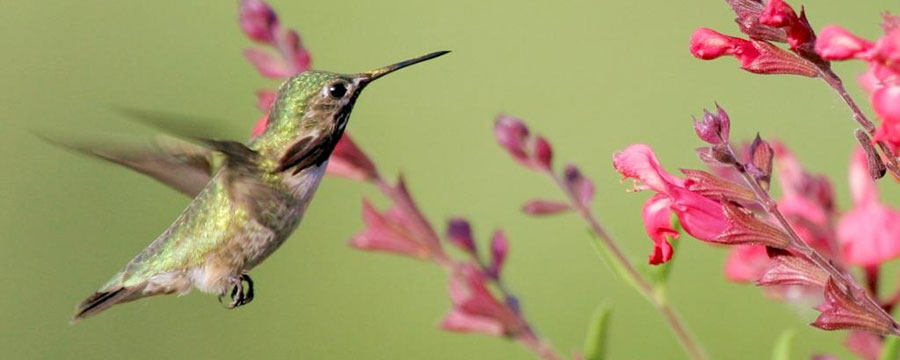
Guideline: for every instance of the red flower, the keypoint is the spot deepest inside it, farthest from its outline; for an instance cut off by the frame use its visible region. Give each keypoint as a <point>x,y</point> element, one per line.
<point>701,217</point>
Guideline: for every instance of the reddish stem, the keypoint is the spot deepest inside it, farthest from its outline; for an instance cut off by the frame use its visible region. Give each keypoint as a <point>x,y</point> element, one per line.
<point>835,83</point>
<point>797,244</point>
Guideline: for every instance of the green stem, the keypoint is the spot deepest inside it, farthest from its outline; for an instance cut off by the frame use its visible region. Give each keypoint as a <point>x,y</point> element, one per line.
<point>687,341</point>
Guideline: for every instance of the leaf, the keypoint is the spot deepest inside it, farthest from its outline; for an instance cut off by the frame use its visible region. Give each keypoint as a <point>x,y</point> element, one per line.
<point>891,349</point>
<point>595,341</point>
<point>782,349</point>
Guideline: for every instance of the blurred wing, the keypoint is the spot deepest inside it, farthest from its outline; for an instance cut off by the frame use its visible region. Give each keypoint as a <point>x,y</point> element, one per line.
<point>183,166</point>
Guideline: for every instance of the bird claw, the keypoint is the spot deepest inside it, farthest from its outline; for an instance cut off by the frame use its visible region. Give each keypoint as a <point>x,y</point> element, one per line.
<point>240,297</point>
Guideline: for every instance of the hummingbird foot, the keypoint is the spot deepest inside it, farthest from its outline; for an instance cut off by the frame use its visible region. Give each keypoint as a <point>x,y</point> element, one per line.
<point>240,295</point>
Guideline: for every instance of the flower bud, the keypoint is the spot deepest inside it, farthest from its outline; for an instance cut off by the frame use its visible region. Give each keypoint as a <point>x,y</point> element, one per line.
<point>545,207</point>
<point>459,232</point>
<point>580,186</point>
<point>258,21</point>
<point>543,153</point>
<point>840,311</point>
<point>873,160</point>
<point>499,249</point>
<point>760,165</point>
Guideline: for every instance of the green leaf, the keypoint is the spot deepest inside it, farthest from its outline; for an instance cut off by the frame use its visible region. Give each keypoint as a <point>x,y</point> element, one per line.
<point>782,349</point>
<point>891,348</point>
<point>595,342</point>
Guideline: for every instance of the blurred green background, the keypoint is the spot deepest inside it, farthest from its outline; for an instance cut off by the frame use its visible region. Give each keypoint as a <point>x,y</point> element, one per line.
<point>593,76</point>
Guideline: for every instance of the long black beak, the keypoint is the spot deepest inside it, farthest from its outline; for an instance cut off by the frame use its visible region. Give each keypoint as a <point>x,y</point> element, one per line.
<point>367,77</point>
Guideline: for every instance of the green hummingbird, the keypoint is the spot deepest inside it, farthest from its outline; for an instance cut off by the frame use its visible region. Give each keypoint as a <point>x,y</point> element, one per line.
<point>247,205</point>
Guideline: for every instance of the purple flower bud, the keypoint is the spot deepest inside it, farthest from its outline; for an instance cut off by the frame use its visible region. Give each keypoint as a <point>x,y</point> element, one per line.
<point>580,186</point>
<point>713,128</point>
<point>760,166</point>
<point>258,21</point>
<point>459,232</point>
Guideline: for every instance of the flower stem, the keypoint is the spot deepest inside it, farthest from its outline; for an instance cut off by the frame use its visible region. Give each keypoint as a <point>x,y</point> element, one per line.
<point>845,280</point>
<point>687,341</point>
<point>835,83</point>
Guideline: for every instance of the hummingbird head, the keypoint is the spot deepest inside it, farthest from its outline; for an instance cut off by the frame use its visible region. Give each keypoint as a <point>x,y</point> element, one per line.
<point>311,111</point>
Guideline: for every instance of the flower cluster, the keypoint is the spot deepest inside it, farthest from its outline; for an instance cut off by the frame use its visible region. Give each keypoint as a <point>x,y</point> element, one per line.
<point>785,246</point>
<point>880,80</point>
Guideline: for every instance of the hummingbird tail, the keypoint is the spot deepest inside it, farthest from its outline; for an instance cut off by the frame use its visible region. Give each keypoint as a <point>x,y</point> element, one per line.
<point>102,300</point>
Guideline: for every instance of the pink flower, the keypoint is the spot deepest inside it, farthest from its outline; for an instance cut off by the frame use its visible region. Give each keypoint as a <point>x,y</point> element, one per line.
<point>708,44</point>
<point>865,345</point>
<point>264,100</point>
<point>701,217</point>
<point>836,43</point>
<point>347,160</point>
<point>755,56</point>
<point>258,21</point>
<point>387,231</point>
<point>475,309</point>
<point>746,263</point>
<point>869,234</point>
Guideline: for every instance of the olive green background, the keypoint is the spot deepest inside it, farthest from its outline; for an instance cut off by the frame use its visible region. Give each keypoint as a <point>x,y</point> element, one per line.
<point>593,76</point>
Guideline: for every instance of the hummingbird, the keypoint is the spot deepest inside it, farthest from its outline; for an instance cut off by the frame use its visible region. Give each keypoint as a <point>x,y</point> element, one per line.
<point>247,205</point>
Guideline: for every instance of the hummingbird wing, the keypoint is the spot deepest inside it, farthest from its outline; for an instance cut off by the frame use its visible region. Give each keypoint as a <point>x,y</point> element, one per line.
<point>181,165</point>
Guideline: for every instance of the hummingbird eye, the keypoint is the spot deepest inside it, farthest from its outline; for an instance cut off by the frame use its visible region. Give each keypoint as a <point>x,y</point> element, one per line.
<point>337,90</point>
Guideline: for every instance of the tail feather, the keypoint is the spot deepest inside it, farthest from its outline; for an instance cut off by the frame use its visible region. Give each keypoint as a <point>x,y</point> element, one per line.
<point>102,300</point>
